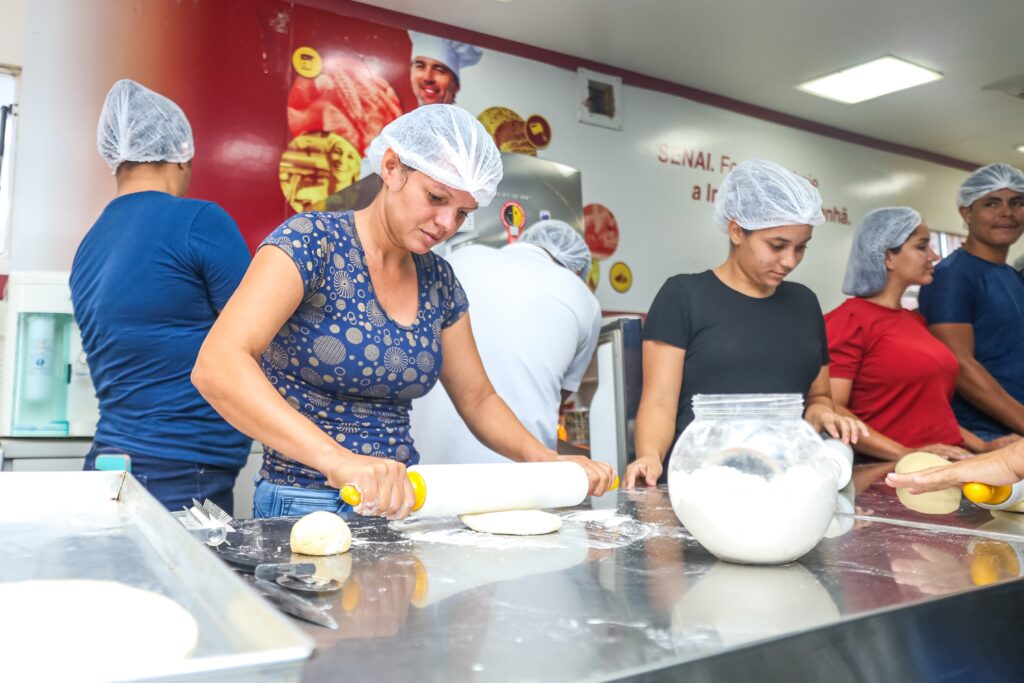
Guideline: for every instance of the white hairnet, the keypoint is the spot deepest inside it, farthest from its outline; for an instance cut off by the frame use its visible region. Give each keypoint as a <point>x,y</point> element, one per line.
<point>137,124</point>
<point>881,230</point>
<point>559,239</point>
<point>989,179</point>
<point>451,53</point>
<point>446,143</point>
<point>761,194</point>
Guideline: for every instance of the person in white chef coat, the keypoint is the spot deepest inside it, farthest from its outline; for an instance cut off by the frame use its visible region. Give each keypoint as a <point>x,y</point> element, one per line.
<point>536,324</point>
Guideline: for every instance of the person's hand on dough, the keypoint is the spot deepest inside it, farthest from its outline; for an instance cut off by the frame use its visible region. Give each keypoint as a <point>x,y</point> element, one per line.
<point>643,470</point>
<point>846,429</point>
<point>999,468</point>
<point>599,474</point>
<point>946,451</point>
<point>383,485</point>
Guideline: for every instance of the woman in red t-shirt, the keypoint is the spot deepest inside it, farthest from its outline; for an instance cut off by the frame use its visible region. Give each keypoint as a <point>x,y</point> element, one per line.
<point>886,368</point>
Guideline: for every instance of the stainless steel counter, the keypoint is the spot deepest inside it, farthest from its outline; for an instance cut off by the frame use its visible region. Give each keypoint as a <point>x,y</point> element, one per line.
<point>626,594</point>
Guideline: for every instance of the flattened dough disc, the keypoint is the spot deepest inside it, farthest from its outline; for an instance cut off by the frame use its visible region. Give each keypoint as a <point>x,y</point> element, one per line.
<point>514,522</point>
<point>934,502</point>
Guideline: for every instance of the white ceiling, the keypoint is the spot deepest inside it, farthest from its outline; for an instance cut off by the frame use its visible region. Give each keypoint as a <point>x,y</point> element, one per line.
<point>757,52</point>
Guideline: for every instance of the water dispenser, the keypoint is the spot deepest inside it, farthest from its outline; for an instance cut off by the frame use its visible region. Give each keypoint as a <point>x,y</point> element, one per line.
<point>46,390</point>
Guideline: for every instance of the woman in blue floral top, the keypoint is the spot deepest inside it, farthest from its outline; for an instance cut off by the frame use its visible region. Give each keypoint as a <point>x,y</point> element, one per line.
<point>348,317</point>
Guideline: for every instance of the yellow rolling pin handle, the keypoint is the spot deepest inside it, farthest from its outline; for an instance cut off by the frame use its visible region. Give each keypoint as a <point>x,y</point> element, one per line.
<point>985,494</point>
<point>351,495</point>
<point>615,483</point>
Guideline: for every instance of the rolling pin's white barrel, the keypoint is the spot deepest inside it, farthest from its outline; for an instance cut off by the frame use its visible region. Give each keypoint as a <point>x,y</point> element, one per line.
<point>466,489</point>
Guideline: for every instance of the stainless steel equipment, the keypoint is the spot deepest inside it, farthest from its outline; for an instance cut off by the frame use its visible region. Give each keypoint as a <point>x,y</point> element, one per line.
<point>106,526</point>
<point>610,391</point>
<point>531,189</point>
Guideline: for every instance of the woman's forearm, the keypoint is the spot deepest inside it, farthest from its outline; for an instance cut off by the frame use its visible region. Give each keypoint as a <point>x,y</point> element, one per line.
<point>233,383</point>
<point>973,442</point>
<point>876,444</point>
<point>979,387</point>
<point>655,428</point>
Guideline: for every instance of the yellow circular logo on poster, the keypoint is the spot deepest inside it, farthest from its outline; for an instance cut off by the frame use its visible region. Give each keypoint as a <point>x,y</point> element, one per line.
<point>538,131</point>
<point>620,277</point>
<point>307,62</point>
<point>594,275</point>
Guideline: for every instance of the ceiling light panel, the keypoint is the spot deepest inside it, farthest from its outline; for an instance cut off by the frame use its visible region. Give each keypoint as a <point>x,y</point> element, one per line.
<point>869,80</point>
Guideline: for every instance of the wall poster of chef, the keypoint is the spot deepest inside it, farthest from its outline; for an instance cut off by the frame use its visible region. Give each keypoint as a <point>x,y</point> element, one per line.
<point>340,97</point>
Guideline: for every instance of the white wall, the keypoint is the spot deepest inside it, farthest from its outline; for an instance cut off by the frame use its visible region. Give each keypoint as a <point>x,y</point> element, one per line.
<point>60,183</point>
<point>13,15</point>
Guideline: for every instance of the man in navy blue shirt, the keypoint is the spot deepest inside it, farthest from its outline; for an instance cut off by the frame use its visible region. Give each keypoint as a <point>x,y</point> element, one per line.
<point>975,305</point>
<point>147,283</point>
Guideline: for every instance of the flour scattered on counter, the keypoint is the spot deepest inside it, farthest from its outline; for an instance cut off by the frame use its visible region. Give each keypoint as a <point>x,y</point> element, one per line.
<point>596,529</point>
<point>466,537</point>
<point>607,518</point>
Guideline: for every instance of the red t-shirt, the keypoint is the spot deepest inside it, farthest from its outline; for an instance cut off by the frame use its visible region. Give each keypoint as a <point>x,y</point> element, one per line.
<point>903,377</point>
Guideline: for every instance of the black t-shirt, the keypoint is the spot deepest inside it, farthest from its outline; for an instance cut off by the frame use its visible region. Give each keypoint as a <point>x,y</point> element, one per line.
<point>736,343</point>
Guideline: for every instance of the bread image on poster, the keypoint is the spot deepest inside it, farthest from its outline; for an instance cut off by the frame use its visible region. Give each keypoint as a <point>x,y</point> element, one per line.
<point>508,130</point>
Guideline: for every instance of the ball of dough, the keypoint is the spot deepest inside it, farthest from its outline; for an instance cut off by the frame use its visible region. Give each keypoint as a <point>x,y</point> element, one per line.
<point>321,533</point>
<point>931,503</point>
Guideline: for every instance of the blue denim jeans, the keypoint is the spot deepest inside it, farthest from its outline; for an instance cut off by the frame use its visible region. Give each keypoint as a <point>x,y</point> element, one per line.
<point>175,482</point>
<point>277,500</point>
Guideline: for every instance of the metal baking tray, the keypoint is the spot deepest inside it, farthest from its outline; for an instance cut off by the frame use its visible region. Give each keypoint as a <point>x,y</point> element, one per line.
<point>106,526</point>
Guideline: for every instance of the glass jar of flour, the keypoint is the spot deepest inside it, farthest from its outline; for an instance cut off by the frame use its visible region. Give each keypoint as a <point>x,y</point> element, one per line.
<point>751,480</point>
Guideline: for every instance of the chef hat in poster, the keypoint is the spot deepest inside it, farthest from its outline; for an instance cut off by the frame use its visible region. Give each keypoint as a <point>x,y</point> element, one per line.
<point>137,124</point>
<point>451,53</point>
<point>881,230</point>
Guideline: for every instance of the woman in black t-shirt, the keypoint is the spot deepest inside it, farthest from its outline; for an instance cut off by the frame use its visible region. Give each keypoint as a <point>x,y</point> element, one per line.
<point>739,328</point>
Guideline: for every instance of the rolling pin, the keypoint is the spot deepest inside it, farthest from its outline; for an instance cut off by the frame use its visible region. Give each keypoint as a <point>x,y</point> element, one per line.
<point>447,490</point>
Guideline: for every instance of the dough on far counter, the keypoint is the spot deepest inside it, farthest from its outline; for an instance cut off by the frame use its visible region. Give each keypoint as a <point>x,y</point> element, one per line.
<point>513,522</point>
<point>934,502</point>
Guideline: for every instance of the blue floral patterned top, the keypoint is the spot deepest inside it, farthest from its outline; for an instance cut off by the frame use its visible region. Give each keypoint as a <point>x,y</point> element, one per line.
<point>340,359</point>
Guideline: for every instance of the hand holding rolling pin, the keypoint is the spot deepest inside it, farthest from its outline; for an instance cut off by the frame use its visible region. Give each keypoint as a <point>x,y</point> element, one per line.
<point>384,486</point>
<point>600,474</point>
